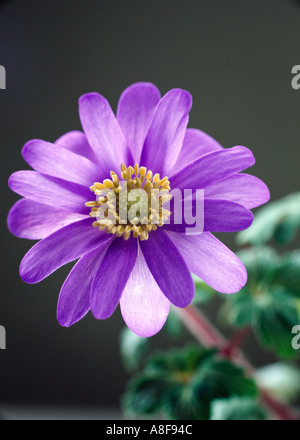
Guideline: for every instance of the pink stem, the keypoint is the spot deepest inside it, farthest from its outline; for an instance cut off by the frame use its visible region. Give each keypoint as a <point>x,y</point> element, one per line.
<point>236,341</point>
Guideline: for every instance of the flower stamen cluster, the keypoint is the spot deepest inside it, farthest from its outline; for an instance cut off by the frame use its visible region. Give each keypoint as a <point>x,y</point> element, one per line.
<point>133,204</point>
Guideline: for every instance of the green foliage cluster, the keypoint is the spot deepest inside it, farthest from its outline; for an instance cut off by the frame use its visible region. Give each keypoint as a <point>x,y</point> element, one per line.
<point>184,384</point>
<point>278,221</point>
<point>269,302</point>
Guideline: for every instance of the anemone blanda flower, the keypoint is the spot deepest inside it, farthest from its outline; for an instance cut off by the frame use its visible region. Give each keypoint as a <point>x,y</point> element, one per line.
<point>145,267</point>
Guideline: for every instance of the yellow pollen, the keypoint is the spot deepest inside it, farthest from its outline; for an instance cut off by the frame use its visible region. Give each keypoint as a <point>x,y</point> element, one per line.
<point>116,199</point>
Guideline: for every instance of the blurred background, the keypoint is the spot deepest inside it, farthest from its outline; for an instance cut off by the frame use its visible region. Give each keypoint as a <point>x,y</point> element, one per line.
<point>235,57</point>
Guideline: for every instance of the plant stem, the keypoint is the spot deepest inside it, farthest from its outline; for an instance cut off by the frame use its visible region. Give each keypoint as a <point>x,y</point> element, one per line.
<point>205,332</point>
<point>201,328</point>
<point>236,341</point>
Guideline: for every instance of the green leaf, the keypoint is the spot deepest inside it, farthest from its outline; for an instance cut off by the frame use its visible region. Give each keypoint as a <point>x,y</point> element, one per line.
<point>181,384</point>
<point>288,272</point>
<point>278,220</point>
<point>185,360</point>
<point>144,395</point>
<point>183,403</point>
<point>237,409</point>
<point>271,313</point>
<point>133,348</point>
<point>273,322</point>
<point>262,264</point>
<point>281,380</point>
<point>268,302</point>
<point>221,378</point>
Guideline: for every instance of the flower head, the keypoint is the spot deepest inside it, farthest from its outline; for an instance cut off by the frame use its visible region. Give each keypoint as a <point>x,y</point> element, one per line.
<point>105,197</point>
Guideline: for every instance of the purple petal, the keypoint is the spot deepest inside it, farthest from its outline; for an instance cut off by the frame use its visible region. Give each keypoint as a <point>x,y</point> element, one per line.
<point>135,112</point>
<point>103,132</point>
<point>166,133</point>
<point>76,142</point>
<point>65,245</point>
<point>168,268</point>
<point>143,305</point>
<point>219,216</point>
<point>212,261</point>
<point>247,190</point>
<point>59,162</point>
<point>196,143</point>
<point>226,216</point>
<point>112,277</point>
<point>212,167</point>
<point>51,191</point>
<point>74,302</point>
<point>34,221</point>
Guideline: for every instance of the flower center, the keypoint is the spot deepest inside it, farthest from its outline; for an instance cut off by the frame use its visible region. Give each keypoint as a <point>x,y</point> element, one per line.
<point>132,204</point>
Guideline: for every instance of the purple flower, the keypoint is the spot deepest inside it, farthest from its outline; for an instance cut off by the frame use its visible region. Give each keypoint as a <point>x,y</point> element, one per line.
<point>144,267</point>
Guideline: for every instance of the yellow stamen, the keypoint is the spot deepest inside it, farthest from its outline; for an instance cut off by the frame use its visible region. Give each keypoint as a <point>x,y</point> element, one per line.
<point>110,197</point>
<point>91,204</point>
<point>99,185</point>
<point>108,183</point>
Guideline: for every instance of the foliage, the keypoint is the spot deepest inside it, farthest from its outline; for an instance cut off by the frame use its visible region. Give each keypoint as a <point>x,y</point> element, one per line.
<point>279,220</point>
<point>269,301</point>
<point>181,384</point>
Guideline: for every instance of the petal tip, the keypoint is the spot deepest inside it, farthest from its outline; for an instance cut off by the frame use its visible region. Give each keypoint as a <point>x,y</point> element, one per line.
<point>10,181</point>
<point>250,220</point>
<point>185,96</point>
<point>29,145</point>
<point>26,277</point>
<point>249,153</point>
<point>182,303</point>
<point>146,333</point>
<point>238,286</point>
<point>88,97</point>
<point>146,84</point>
<point>267,194</point>
<point>10,219</point>
<point>98,314</point>
<point>63,322</point>
<point>144,330</point>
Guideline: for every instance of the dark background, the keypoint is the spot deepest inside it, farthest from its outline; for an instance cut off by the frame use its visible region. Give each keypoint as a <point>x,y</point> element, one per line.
<point>234,56</point>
